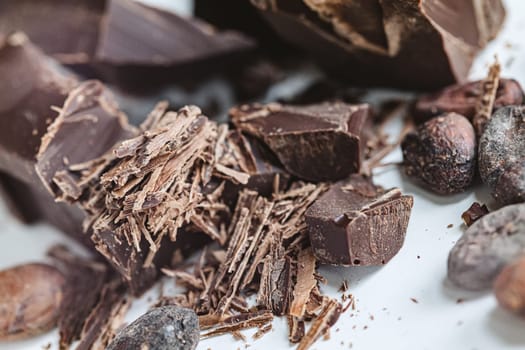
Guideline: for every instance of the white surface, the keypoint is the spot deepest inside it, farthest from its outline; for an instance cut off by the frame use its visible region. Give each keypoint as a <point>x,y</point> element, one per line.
<point>385,315</point>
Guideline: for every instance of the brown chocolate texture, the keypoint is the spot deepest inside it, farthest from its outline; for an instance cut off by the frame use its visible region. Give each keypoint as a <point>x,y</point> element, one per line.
<point>316,143</point>
<point>410,43</point>
<point>358,223</point>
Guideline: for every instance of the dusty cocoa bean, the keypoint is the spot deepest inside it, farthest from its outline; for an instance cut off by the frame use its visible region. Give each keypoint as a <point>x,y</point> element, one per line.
<point>462,99</point>
<point>441,154</point>
<point>162,328</point>
<point>509,287</point>
<point>486,247</point>
<point>30,297</point>
<point>502,155</point>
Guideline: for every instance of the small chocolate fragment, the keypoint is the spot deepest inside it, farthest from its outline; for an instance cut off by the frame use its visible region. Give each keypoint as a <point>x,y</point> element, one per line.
<point>462,99</point>
<point>502,155</point>
<point>163,328</point>
<point>441,154</point>
<point>30,297</point>
<point>486,247</point>
<point>409,43</point>
<point>509,287</point>
<point>485,103</point>
<point>358,223</point>
<point>474,213</point>
<point>316,143</point>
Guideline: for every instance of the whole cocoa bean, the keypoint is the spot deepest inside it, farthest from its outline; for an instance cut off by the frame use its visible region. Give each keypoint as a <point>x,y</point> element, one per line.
<point>462,99</point>
<point>30,297</point>
<point>441,154</point>
<point>502,155</point>
<point>162,328</point>
<point>486,247</point>
<point>509,287</point>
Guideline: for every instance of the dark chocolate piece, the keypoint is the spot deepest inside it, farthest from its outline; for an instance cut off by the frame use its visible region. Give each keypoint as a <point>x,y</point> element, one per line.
<point>358,223</point>
<point>66,30</point>
<point>441,154</point>
<point>475,212</point>
<point>317,142</point>
<point>31,85</point>
<point>486,247</point>
<point>139,44</point>
<point>125,42</point>
<point>163,328</point>
<point>502,155</point>
<point>463,98</point>
<point>89,124</point>
<point>408,43</point>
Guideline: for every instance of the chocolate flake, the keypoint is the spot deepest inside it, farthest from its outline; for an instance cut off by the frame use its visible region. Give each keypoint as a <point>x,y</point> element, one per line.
<point>473,213</point>
<point>322,323</point>
<point>485,105</point>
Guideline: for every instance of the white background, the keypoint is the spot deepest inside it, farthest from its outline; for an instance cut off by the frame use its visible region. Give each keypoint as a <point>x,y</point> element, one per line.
<point>385,315</point>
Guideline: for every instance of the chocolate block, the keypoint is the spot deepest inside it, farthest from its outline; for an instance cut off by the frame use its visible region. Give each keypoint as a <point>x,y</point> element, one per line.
<point>358,223</point>
<point>30,85</point>
<point>66,30</point>
<point>127,43</point>
<point>89,124</point>
<point>407,43</point>
<point>316,143</point>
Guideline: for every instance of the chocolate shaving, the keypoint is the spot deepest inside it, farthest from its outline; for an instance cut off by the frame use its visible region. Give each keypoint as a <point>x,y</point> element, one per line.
<point>489,89</point>
<point>239,322</point>
<point>296,329</point>
<point>322,323</point>
<point>305,283</point>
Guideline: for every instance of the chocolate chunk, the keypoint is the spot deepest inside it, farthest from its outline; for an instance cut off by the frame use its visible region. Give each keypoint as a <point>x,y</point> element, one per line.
<point>163,328</point>
<point>30,298</point>
<point>502,155</point>
<point>316,143</point>
<point>31,85</point>
<point>486,247</point>
<point>125,42</point>
<point>405,43</point>
<point>71,35</point>
<point>463,98</point>
<point>441,154</point>
<point>141,44</point>
<point>89,124</point>
<point>358,223</point>
<point>474,213</point>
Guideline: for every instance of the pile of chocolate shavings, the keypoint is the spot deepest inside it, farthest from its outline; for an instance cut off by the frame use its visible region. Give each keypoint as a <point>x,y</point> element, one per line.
<point>267,233</point>
<point>172,175</point>
<point>149,186</point>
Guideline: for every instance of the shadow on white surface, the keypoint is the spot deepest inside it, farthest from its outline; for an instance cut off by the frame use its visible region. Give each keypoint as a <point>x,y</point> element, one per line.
<point>508,327</point>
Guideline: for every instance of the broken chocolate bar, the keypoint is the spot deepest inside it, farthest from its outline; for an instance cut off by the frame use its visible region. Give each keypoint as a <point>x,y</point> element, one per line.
<point>409,43</point>
<point>125,42</point>
<point>358,223</point>
<point>316,143</point>
<point>31,85</point>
